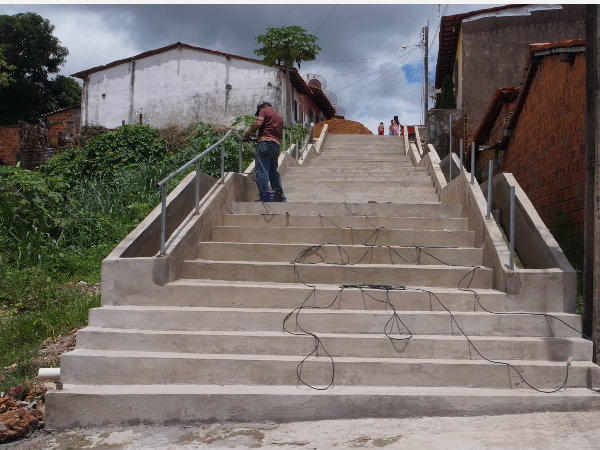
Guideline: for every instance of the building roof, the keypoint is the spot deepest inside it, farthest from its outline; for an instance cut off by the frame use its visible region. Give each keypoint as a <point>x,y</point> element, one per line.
<point>78,105</point>
<point>298,82</point>
<point>448,40</point>
<point>501,96</point>
<point>537,52</point>
<point>322,101</point>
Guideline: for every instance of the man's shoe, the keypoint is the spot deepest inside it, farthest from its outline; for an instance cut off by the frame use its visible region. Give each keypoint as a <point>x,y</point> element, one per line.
<point>278,195</point>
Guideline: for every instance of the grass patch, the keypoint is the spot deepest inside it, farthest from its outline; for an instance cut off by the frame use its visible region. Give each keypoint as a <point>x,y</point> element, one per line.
<point>21,335</point>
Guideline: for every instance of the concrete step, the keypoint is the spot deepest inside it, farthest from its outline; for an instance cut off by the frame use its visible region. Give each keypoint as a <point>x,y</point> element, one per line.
<point>344,345</point>
<point>377,274</point>
<point>248,294</point>
<point>416,192</point>
<point>358,177</point>
<point>332,254</point>
<point>350,209</point>
<point>85,406</point>
<point>348,182</point>
<point>333,170</point>
<point>358,236</point>
<point>114,367</point>
<point>361,197</point>
<point>318,221</point>
<point>332,321</point>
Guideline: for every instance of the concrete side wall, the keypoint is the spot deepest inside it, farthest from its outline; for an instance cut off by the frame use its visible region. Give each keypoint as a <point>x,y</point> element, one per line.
<point>145,239</point>
<point>180,86</point>
<point>495,51</point>
<point>550,290</point>
<point>131,278</point>
<point>439,128</point>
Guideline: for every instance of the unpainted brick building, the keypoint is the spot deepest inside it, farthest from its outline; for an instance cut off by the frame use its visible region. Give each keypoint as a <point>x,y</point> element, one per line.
<point>537,132</point>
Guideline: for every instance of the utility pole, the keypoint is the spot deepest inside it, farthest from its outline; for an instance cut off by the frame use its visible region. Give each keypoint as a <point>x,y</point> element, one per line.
<point>426,64</point>
<point>591,252</point>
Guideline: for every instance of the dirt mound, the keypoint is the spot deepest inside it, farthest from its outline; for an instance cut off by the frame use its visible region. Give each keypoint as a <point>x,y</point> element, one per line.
<point>340,126</point>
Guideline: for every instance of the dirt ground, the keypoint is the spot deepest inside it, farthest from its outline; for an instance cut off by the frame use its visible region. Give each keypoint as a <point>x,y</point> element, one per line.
<point>528,431</point>
<point>339,126</point>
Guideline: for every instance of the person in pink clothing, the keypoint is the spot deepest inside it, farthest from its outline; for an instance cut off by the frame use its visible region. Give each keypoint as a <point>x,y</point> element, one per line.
<point>396,125</point>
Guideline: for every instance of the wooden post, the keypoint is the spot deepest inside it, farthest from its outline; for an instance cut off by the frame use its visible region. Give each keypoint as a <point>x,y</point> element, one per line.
<point>591,253</point>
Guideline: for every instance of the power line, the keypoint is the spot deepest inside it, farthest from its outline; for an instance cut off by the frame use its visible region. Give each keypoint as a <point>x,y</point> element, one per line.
<point>358,60</point>
<point>334,6</point>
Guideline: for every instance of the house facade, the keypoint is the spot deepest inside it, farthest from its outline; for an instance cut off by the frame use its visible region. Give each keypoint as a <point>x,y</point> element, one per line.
<point>181,84</point>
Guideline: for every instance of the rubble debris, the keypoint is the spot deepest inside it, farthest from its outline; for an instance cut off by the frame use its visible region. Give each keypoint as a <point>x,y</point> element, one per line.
<point>341,126</point>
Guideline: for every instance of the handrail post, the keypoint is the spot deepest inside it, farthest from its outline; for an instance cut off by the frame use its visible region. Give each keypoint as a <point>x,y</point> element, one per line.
<point>222,161</point>
<point>489,199</point>
<point>511,260</point>
<point>163,219</point>
<point>197,187</point>
<point>450,150</point>
<point>473,162</point>
<point>461,157</point>
<point>241,152</point>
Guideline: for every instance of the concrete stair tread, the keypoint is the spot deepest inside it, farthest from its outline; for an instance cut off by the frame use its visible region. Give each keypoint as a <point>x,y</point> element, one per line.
<point>323,359</point>
<point>199,282</point>
<point>308,310</point>
<point>191,389</point>
<point>285,263</point>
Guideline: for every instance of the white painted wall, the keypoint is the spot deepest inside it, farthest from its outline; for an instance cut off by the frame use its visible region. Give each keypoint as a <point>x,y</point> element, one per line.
<point>180,86</point>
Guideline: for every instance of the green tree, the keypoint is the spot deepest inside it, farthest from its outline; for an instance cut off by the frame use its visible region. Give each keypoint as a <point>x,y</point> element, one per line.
<point>27,43</point>
<point>5,72</point>
<point>287,45</point>
<point>448,100</point>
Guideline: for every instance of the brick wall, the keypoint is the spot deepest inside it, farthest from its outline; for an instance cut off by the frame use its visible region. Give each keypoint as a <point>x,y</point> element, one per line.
<point>9,144</point>
<point>64,127</point>
<point>547,153</point>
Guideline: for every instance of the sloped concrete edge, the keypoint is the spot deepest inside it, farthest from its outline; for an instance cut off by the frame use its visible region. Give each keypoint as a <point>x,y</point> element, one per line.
<point>551,289</point>
<point>124,277</point>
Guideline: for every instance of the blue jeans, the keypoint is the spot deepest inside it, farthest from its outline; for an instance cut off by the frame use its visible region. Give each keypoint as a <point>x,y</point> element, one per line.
<point>266,163</point>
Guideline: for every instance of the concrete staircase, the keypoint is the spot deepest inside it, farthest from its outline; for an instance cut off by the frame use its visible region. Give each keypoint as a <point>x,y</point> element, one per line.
<point>359,214</point>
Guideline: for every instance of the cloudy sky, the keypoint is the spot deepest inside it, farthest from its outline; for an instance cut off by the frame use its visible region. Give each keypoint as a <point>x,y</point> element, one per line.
<point>363,58</point>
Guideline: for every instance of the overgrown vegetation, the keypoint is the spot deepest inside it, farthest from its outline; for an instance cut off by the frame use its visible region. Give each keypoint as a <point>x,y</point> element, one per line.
<point>58,223</point>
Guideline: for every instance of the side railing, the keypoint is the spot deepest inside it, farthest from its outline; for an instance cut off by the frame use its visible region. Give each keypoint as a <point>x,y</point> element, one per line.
<point>296,149</point>
<point>196,160</point>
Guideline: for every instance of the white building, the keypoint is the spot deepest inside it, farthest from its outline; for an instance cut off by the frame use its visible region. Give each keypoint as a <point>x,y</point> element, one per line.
<point>181,84</point>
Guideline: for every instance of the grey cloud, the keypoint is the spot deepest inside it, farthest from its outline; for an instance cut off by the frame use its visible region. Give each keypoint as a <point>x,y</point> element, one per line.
<point>352,32</point>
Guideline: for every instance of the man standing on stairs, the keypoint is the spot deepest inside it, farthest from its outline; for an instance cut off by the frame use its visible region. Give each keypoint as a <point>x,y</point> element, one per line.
<point>270,130</point>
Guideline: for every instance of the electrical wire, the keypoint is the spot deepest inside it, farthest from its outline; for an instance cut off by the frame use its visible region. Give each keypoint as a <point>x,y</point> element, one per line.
<point>334,6</point>
<point>395,320</point>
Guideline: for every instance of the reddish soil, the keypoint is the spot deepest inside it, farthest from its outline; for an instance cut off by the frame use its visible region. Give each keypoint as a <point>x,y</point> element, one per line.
<point>340,126</point>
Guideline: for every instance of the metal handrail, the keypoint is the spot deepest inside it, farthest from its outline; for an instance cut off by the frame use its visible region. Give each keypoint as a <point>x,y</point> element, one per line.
<point>162,184</point>
<point>306,140</point>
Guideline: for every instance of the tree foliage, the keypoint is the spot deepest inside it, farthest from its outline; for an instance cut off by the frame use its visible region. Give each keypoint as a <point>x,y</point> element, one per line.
<point>5,72</point>
<point>287,45</point>
<point>448,100</point>
<point>28,46</point>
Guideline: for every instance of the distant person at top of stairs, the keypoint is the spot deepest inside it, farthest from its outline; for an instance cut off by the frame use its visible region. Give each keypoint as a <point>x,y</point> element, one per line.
<point>270,130</point>
<point>396,125</point>
<point>392,127</point>
<point>381,129</point>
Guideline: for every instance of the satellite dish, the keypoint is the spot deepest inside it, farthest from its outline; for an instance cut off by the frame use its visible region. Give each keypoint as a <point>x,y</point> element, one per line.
<point>312,79</point>
<point>331,97</point>
<point>340,111</point>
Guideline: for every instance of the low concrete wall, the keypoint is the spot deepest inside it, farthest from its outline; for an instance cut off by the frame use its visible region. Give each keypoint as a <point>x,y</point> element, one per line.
<point>551,289</point>
<point>145,239</point>
<point>439,128</point>
<point>125,278</point>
